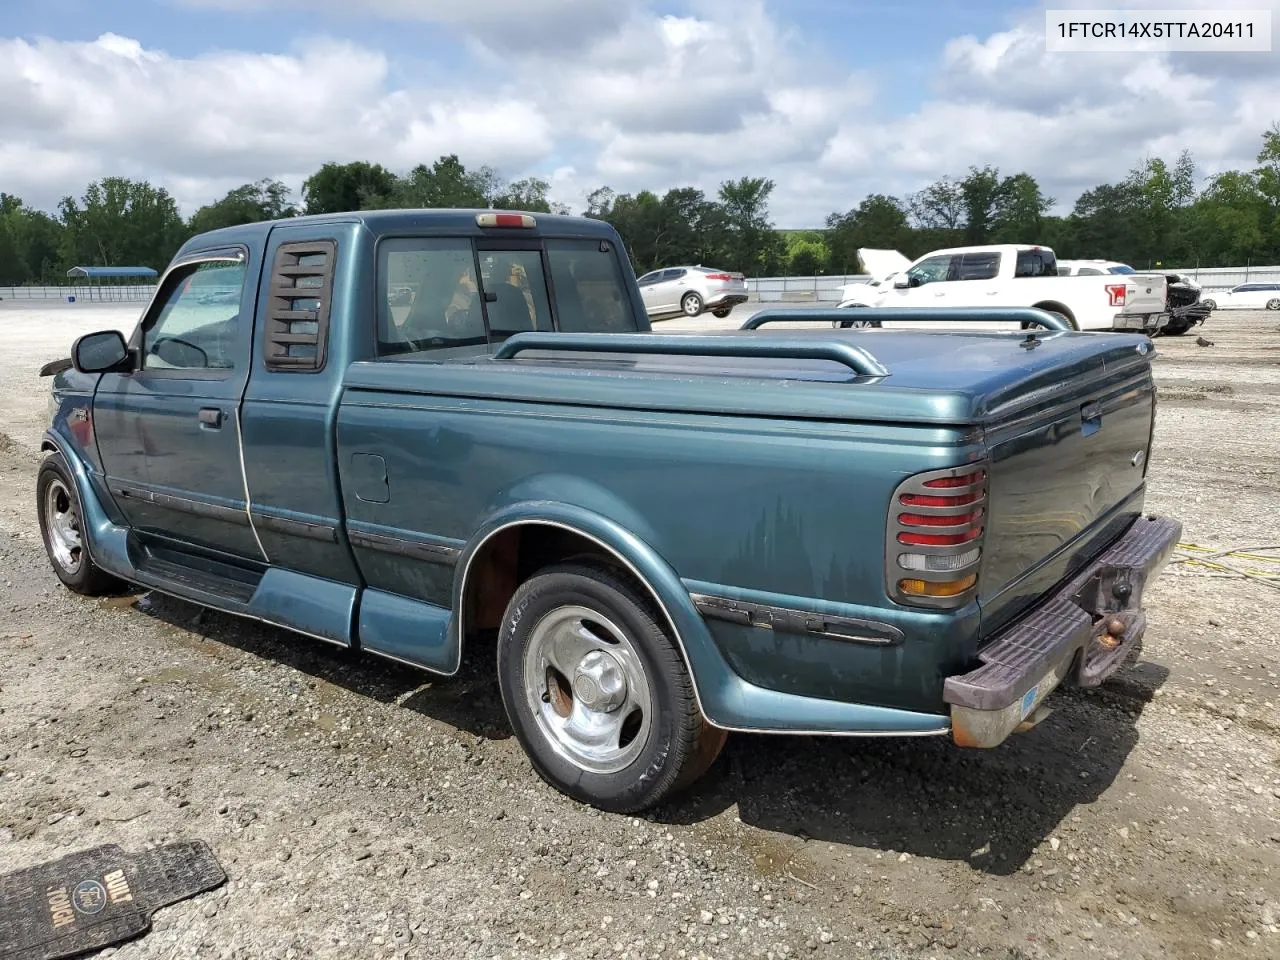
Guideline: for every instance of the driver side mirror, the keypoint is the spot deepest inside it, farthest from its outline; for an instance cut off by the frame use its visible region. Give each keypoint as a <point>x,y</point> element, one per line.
<point>102,352</point>
<point>901,283</point>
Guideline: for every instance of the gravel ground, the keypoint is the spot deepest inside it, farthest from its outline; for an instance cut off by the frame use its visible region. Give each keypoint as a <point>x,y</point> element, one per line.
<point>361,809</point>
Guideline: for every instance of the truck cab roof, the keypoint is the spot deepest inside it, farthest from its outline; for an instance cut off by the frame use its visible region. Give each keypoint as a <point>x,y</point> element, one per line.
<point>408,221</point>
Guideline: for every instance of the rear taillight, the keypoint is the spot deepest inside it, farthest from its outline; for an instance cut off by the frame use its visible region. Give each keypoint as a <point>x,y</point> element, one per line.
<point>724,277</point>
<point>935,530</point>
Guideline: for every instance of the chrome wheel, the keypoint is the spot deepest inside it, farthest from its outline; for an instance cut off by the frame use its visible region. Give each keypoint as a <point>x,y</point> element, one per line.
<point>62,522</point>
<point>587,688</point>
<point>1273,304</point>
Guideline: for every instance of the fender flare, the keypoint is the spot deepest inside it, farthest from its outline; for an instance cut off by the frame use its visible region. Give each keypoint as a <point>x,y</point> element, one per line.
<point>710,675</point>
<point>105,541</point>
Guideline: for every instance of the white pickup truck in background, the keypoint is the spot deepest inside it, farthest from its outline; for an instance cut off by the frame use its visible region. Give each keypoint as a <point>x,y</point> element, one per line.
<point>1009,275</point>
<point>1183,293</point>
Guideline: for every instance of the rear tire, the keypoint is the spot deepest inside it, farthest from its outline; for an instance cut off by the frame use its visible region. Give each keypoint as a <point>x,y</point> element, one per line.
<point>1211,304</point>
<point>722,313</point>
<point>691,304</point>
<point>1060,313</point>
<point>1273,304</point>
<point>597,692</point>
<point>1176,329</point>
<point>60,514</point>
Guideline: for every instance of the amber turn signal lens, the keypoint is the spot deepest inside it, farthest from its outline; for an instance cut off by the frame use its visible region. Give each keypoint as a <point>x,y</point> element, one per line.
<point>925,588</point>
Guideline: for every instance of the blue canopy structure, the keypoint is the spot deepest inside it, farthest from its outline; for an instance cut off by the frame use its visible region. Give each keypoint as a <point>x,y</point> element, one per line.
<point>113,283</point>
<point>100,273</point>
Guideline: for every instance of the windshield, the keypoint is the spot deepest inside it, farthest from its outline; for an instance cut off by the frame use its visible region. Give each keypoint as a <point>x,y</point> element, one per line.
<point>441,293</point>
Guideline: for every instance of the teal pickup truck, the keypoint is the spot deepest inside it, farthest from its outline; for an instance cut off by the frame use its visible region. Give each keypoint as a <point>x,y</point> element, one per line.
<point>432,435</point>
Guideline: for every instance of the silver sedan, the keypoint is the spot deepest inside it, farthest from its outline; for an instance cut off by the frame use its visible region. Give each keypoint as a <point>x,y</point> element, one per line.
<point>690,291</point>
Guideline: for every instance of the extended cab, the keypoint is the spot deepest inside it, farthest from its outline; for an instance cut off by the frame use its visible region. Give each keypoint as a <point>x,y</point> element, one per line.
<point>1011,275</point>
<point>432,435</point>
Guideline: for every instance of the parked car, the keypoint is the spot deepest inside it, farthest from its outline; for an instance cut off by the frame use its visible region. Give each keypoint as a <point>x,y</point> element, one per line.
<point>1245,296</point>
<point>1010,275</point>
<point>689,291</point>
<point>649,540</point>
<point>1182,298</point>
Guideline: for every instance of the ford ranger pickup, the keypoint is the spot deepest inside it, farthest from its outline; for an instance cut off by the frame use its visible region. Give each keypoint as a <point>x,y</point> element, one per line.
<point>431,434</point>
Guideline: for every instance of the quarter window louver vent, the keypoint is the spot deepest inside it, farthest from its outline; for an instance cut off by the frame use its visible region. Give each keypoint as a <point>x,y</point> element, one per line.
<point>297,315</point>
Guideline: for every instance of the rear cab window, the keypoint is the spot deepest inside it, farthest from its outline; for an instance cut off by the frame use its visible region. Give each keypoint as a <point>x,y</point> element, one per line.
<point>466,294</point>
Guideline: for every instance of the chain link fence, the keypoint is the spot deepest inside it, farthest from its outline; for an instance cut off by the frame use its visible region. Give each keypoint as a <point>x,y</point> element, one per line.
<point>89,293</point>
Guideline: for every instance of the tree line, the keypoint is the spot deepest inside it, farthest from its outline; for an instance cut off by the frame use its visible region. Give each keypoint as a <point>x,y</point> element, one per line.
<point>1160,213</point>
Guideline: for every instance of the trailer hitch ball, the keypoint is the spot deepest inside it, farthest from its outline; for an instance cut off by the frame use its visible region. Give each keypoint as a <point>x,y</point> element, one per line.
<point>1114,633</point>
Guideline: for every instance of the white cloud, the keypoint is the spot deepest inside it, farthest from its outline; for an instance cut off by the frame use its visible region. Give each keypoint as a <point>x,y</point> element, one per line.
<point>512,24</point>
<point>643,101</point>
<point>112,106</point>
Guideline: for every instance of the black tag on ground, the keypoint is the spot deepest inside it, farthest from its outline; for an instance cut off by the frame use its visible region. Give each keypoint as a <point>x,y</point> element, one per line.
<point>97,898</point>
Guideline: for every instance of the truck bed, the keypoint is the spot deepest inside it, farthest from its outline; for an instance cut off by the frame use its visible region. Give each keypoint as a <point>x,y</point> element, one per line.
<point>1058,417</point>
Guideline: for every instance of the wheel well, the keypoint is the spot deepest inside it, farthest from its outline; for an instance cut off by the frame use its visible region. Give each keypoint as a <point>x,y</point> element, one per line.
<point>512,556</point>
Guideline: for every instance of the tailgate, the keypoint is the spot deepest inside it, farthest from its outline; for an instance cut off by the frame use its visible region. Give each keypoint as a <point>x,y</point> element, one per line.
<point>1137,293</point>
<point>1067,476</point>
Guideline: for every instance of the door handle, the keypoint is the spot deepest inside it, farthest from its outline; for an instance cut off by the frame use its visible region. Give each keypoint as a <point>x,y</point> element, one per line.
<point>210,417</point>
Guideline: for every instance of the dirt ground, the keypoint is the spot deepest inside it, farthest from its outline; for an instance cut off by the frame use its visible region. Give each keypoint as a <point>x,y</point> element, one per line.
<point>362,809</point>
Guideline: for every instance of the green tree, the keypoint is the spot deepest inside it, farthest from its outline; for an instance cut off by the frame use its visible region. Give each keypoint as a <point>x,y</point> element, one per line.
<point>1268,180</point>
<point>1020,213</point>
<point>807,254</point>
<point>447,183</point>
<point>529,195</point>
<point>752,246</point>
<point>29,243</point>
<point>341,187</point>
<point>121,222</point>
<point>879,222</point>
<point>250,203</point>
<point>982,197</point>
<point>939,206</point>
<point>600,203</point>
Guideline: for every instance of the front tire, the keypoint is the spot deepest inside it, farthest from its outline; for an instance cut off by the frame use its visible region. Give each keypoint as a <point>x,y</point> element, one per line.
<point>61,527</point>
<point>1211,304</point>
<point>691,304</point>
<point>1273,304</point>
<point>597,692</point>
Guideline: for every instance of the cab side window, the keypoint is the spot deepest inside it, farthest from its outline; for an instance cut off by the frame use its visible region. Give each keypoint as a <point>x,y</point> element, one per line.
<point>979,266</point>
<point>932,270</point>
<point>197,323</point>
